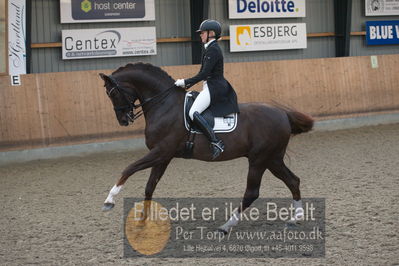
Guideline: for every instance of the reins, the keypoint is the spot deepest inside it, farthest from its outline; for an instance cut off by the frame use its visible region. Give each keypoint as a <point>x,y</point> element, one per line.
<point>127,94</point>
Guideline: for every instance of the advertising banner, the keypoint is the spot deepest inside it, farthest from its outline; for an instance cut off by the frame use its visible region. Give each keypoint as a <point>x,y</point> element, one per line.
<point>382,7</point>
<point>264,37</point>
<point>92,43</point>
<point>382,32</point>
<point>239,9</point>
<point>16,37</point>
<point>81,11</point>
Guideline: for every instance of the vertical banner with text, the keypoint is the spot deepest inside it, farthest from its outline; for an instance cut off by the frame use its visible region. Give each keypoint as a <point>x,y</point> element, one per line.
<point>16,37</point>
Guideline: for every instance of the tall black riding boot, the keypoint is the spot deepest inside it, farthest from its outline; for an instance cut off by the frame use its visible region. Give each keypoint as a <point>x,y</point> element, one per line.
<point>217,145</point>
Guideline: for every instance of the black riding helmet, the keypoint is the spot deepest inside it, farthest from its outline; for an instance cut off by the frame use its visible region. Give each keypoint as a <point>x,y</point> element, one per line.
<point>211,25</point>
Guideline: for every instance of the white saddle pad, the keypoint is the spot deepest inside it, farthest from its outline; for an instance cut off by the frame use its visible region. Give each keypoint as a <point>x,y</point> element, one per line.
<point>224,124</point>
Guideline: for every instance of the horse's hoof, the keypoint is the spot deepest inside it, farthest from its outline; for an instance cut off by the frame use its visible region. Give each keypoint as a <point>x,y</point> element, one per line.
<point>108,206</point>
<point>220,230</point>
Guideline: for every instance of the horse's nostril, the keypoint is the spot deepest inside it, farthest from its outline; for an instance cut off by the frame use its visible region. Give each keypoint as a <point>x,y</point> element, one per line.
<point>124,123</point>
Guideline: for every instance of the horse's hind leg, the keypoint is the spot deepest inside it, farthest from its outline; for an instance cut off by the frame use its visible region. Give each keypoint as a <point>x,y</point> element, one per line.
<point>254,179</point>
<point>281,171</point>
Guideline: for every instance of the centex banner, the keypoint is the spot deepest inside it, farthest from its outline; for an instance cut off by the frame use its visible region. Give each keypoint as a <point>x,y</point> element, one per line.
<point>113,42</point>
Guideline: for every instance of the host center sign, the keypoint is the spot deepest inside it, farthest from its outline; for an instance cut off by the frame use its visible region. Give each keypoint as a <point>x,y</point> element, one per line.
<point>116,6</point>
<point>78,11</point>
<point>100,9</point>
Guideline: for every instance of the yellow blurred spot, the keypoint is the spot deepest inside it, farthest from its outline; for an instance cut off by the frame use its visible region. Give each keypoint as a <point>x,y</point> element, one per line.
<point>151,235</point>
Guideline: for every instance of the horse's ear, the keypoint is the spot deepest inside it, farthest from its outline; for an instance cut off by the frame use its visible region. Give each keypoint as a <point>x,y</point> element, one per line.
<point>107,80</point>
<point>104,77</point>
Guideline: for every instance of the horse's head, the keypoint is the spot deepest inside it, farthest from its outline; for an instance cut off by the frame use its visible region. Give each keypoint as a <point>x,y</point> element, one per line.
<point>143,82</point>
<point>122,97</point>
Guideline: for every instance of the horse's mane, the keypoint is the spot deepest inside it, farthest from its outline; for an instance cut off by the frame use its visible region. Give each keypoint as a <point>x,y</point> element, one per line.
<point>145,67</point>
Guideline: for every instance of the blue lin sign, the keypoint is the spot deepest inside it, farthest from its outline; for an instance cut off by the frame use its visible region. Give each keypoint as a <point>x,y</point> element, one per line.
<point>382,32</point>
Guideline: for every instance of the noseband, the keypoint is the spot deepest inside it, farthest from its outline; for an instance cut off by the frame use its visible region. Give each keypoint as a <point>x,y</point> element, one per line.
<point>131,98</point>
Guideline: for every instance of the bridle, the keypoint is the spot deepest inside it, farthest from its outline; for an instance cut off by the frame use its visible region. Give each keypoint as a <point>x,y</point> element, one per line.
<point>131,98</point>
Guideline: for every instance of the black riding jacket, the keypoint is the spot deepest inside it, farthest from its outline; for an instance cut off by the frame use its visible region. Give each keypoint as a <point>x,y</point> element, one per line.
<point>223,96</point>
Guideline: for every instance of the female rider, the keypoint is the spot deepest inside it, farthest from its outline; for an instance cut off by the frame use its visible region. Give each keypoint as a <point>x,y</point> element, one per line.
<point>217,93</point>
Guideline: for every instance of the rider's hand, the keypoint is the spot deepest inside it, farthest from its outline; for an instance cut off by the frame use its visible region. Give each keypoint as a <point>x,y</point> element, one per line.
<point>180,83</point>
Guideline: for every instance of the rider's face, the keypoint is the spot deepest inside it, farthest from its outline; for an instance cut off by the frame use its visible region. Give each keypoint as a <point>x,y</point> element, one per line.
<point>204,36</point>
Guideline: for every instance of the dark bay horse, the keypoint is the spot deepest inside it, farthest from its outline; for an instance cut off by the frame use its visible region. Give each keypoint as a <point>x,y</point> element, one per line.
<point>262,133</point>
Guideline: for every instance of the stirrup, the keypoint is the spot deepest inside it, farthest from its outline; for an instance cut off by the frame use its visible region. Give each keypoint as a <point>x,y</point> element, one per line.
<point>217,149</point>
<point>219,145</point>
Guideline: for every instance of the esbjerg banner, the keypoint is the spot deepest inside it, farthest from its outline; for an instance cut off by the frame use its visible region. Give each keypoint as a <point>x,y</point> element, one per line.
<point>81,11</point>
<point>16,37</point>
<point>240,9</point>
<point>263,37</point>
<point>114,42</point>
<point>382,7</point>
<point>382,32</point>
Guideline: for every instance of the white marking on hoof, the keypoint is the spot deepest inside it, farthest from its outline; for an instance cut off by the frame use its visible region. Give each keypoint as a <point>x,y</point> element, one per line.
<point>233,221</point>
<point>299,212</point>
<point>114,191</point>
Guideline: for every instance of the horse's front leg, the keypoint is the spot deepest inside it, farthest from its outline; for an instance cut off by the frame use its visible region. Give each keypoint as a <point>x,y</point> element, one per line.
<point>156,173</point>
<point>151,159</point>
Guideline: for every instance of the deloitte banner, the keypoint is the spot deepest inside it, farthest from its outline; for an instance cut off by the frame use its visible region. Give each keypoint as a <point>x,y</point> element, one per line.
<point>80,11</point>
<point>267,37</point>
<point>266,8</point>
<point>382,32</point>
<point>382,7</point>
<point>93,43</point>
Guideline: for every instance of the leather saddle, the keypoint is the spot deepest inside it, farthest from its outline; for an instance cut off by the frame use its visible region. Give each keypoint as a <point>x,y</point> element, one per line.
<point>219,124</point>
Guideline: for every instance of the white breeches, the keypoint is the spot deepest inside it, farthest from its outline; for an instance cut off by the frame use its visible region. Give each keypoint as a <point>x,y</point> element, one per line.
<point>202,101</point>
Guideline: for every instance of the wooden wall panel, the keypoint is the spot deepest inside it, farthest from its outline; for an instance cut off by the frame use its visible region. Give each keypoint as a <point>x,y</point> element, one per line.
<point>72,107</point>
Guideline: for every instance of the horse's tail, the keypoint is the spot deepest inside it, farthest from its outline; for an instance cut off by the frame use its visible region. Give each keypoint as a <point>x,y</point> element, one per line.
<point>300,122</point>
